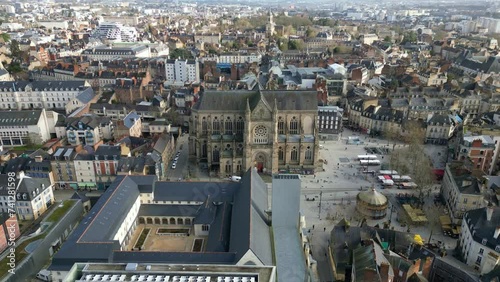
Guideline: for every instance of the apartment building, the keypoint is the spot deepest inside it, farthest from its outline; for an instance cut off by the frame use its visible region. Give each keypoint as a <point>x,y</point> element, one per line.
<point>480,150</point>
<point>131,125</point>
<point>479,239</point>
<point>18,128</point>
<point>9,229</point>
<point>22,95</point>
<point>63,167</point>
<point>107,53</point>
<point>84,170</point>
<point>439,129</point>
<point>88,129</point>
<point>32,198</point>
<point>179,70</point>
<point>329,121</point>
<point>461,191</point>
<point>106,159</point>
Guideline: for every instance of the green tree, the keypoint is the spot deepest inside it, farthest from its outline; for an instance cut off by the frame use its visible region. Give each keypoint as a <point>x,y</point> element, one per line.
<point>180,53</point>
<point>311,32</point>
<point>295,45</point>
<point>387,38</point>
<point>410,37</point>
<point>5,37</point>
<point>15,51</point>
<point>282,44</point>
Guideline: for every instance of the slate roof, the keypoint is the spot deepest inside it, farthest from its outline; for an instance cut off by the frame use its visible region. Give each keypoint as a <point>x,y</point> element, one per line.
<point>237,100</point>
<point>484,228</point>
<point>86,95</point>
<point>43,85</point>
<point>130,119</point>
<point>20,118</point>
<point>3,71</point>
<point>486,66</point>
<point>232,229</point>
<point>250,204</point>
<point>439,119</point>
<point>108,151</point>
<point>31,187</point>
<point>88,120</point>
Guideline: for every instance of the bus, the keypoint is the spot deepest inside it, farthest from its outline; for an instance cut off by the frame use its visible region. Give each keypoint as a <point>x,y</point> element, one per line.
<point>366,157</point>
<point>369,162</point>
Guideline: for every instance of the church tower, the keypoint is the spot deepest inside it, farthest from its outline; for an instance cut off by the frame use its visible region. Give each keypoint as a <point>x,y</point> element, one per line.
<point>270,24</point>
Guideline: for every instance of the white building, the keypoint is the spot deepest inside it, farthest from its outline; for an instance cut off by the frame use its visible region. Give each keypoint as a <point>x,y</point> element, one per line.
<point>54,24</point>
<point>32,198</point>
<point>18,128</point>
<point>115,32</point>
<point>235,58</point>
<point>493,25</point>
<point>179,70</point>
<point>88,129</point>
<point>21,95</point>
<point>368,39</point>
<point>480,238</point>
<point>81,100</point>
<point>85,172</point>
<point>107,53</point>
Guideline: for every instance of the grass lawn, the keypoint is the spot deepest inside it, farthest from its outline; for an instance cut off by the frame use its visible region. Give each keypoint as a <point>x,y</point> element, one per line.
<point>198,243</point>
<point>171,231</point>
<point>142,238</point>
<point>60,211</point>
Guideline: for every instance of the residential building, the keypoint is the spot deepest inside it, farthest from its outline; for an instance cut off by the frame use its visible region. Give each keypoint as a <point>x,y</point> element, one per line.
<point>33,196</point>
<point>432,79</point>
<point>79,101</point>
<point>63,167</point>
<point>9,229</point>
<point>163,151</point>
<point>19,128</point>
<point>233,224</point>
<point>439,129</point>
<point>106,53</point>
<point>131,125</point>
<point>106,159</point>
<point>88,129</point>
<point>480,150</point>
<point>210,38</point>
<point>270,130</point>
<point>479,239</point>
<point>368,39</point>
<point>360,75</point>
<point>377,120</point>
<point>234,58</point>
<point>21,95</point>
<point>158,126</point>
<point>85,171</point>
<point>182,71</point>
<point>461,191</point>
<point>329,121</point>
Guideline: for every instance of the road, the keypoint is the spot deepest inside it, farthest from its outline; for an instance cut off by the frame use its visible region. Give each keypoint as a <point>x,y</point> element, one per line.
<point>181,170</point>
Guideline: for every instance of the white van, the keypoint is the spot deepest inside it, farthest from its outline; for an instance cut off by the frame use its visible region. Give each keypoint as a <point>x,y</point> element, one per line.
<point>235,178</point>
<point>44,275</point>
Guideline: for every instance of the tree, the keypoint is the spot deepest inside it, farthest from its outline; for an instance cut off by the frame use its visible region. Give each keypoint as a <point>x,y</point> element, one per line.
<point>311,32</point>
<point>295,45</point>
<point>5,37</point>
<point>410,37</point>
<point>387,39</point>
<point>282,44</point>
<point>180,53</point>
<point>15,51</point>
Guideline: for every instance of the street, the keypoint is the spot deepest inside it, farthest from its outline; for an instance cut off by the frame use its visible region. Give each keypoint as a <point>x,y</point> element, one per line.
<point>181,169</point>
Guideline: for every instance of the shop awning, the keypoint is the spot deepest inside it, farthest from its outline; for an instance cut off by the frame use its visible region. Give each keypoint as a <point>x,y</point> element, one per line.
<point>86,184</point>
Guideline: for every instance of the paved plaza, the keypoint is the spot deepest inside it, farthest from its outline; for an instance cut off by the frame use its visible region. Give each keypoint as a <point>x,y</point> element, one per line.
<point>340,182</point>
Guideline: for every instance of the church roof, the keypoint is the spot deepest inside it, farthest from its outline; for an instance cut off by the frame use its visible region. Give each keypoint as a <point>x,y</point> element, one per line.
<point>236,100</point>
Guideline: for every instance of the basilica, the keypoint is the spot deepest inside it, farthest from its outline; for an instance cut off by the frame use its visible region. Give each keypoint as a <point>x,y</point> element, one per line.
<point>274,131</point>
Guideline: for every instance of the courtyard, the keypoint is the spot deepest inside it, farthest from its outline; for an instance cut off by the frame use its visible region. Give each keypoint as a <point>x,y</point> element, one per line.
<point>162,239</point>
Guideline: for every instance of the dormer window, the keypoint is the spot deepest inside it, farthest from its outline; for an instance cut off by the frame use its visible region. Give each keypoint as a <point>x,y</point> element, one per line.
<point>484,241</point>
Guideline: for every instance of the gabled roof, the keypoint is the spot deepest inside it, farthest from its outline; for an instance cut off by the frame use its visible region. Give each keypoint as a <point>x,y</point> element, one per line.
<point>250,205</point>
<point>86,96</point>
<point>20,118</point>
<point>482,228</point>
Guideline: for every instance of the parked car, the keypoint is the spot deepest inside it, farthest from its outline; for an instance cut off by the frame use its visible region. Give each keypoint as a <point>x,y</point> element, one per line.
<point>174,165</point>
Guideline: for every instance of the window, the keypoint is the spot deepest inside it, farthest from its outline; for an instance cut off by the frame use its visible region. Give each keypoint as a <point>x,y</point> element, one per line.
<point>497,248</point>
<point>484,241</point>
<point>260,135</point>
<point>281,154</point>
<point>281,126</point>
<point>228,167</point>
<point>228,126</point>
<point>205,227</point>
<point>240,126</point>
<point>294,126</point>
<point>215,155</point>
<point>294,155</point>
<point>308,154</point>
<point>216,127</point>
<point>204,126</point>
<point>481,251</point>
<point>478,260</point>
<point>204,149</point>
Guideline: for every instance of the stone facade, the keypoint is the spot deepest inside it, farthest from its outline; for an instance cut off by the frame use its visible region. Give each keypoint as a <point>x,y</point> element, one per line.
<point>270,130</point>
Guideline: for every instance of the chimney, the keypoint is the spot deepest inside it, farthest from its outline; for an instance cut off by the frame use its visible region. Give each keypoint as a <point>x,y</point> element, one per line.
<point>497,232</point>
<point>489,212</point>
